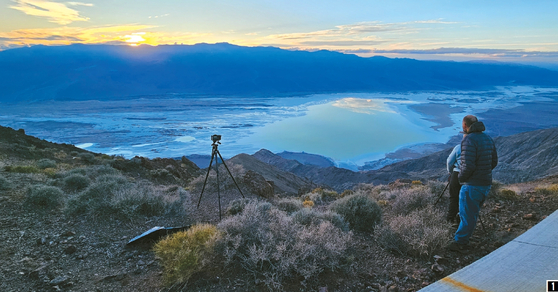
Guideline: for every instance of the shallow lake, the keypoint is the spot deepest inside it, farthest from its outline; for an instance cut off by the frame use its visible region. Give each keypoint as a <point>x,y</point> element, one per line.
<point>349,128</point>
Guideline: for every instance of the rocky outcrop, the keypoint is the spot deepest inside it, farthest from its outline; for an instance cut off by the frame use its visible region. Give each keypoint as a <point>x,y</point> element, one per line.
<point>257,184</point>
<point>284,181</point>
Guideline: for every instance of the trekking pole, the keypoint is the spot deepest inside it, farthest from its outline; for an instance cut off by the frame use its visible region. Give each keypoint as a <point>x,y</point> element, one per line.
<point>441,194</point>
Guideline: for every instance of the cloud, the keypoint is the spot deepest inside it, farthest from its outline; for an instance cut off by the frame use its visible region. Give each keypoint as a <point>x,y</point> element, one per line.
<point>80,4</point>
<point>471,51</point>
<point>68,35</point>
<point>55,12</point>
<point>341,43</point>
<point>158,16</point>
<point>436,21</point>
<point>343,30</point>
<point>359,36</point>
<point>115,34</point>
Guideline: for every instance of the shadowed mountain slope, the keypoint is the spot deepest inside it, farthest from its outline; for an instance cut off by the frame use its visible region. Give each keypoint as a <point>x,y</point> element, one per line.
<point>522,157</point>
<point>284,181</point>
<point>81,72</point>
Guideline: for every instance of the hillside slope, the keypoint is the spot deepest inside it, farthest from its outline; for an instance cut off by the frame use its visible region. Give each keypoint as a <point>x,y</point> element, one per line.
<point>54,246</point>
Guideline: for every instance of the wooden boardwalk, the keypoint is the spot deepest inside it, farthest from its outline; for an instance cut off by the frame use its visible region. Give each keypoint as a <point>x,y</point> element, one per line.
<point>524,264</point>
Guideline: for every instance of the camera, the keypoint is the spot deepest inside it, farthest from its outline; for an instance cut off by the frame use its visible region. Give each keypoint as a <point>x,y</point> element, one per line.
<point>215,138</point>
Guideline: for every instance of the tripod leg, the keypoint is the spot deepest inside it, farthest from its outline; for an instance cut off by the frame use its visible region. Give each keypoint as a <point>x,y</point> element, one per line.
<point>219,153</point>
<point>441,194</point>
<point>206,176</point>
<point>218,188</point>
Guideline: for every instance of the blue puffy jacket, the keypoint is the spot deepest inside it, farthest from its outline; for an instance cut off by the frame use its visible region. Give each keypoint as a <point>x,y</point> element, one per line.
<point>478,157</point>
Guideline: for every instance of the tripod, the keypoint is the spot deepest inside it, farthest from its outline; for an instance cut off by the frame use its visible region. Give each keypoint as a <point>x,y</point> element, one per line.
<point>216,154</point>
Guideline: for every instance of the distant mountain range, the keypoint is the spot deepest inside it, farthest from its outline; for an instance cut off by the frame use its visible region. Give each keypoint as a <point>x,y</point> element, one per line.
<point>522,157</point>
<point>80,72</point>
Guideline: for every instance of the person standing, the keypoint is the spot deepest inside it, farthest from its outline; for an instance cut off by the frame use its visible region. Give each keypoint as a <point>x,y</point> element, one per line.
<point>478,159</point>
<point>453,165</point>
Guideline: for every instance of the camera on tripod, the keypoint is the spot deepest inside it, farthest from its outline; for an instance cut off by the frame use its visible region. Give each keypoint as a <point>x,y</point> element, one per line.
<point>215,138</point>
<point>215,154</point>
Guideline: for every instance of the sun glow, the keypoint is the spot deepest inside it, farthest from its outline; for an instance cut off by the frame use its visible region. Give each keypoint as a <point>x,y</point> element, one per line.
<point>135,38</point>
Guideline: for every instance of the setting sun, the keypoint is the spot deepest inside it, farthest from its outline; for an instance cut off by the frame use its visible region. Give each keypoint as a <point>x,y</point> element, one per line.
<point>135,38</point>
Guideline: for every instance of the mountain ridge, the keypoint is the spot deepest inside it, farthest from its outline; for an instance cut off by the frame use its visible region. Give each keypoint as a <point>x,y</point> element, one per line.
<point>84,72</point>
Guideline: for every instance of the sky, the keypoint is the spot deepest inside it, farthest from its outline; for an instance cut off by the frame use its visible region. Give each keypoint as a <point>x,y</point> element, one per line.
<point>504,31</point>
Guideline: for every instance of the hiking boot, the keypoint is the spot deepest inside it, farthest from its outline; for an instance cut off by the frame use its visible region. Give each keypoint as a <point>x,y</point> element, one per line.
<point>454,246</point>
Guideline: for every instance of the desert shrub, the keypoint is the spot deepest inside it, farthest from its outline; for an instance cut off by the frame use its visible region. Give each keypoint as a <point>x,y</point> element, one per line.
<point>44,197</point>
<point>46,163</point>
<point>495,189</point>
<point>161,174</point>
<point>359,210</point>
<point>87,157</point>
<point>289,205</point>
<point>330,195</point>
<point>383,202</point>
<point>551,190</point>
<point>50,172</point>
<point>184,253</point>
<point>507,194</point>
<point>308,204</point>
<point>310,217</point>
<point>105,157</point>
<point>268,243</point>
<point>76,182</point>
<point>436,187</point>
<point>406,200</point>
<point>103,170</point>
<point>22,169</point>
<point>97,198</point>
<point>4,184</point>
<point>320,195</point>
<point>346,193</point>
<point>109,178</point>
<point>237,206</point>
<point>419,233</point>
<point>371,190</point>
<point>74,153</point>
<point>80,171</point>
<point>115,196</point>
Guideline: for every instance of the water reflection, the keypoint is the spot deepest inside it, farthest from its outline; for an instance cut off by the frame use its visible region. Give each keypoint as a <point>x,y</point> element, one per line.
<point>345,129</point>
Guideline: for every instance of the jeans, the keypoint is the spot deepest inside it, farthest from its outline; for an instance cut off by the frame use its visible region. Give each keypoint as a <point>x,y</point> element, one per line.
<point>470,200</point>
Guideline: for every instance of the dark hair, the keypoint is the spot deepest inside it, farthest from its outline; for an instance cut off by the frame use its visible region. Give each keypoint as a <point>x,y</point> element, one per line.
<point>469,120</point>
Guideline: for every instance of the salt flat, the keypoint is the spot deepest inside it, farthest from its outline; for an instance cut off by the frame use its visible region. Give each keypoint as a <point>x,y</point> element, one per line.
<point>349,127</point>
